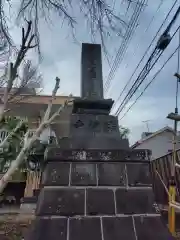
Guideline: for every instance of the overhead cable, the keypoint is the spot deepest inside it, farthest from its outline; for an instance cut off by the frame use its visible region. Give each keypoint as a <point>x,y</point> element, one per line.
<point>120,53</point>
<point>130,79</point>
<point>156,74</point>
<point>155,14</point>
<point>123,46</point>
<point>162,43</point>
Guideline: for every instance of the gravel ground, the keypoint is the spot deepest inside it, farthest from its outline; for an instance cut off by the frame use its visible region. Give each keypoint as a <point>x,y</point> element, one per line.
<point>14,226</point>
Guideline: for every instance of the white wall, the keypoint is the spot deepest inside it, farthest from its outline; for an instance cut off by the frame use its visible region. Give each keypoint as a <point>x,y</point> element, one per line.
<point>159,145</point>
<point>46,133</point>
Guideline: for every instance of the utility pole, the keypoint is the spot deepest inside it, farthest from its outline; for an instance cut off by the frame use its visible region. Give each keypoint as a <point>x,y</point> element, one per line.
<point>172,184</point>
<point>147,123</point>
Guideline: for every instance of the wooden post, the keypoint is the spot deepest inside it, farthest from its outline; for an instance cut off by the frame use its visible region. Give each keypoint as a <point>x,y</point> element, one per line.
<point>171,210</point>
<point>32,183</point>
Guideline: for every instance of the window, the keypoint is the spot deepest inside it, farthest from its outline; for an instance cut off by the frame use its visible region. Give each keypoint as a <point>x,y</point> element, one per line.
<point>3,134</point>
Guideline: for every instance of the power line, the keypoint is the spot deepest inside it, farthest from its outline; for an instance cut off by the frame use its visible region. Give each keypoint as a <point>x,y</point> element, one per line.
<point>156,74</point>
<point>124,44</point>
<point>142,35</point>
<point>120,53</point>
<point>153,17</point>
<point>145,71</point>
<point>128,82</point>
<point>162,44</point>
<point>177,81</point>
<point>130,25</point>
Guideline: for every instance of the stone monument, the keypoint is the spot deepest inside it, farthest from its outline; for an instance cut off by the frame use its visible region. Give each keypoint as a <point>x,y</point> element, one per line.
<point>93,186</point>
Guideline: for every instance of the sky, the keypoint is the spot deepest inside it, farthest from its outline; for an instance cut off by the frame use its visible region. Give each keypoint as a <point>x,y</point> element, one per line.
<point>61,57</point>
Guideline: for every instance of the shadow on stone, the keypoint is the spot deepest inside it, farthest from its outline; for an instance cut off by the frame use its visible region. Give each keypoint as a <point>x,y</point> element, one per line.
<point>64,202</point>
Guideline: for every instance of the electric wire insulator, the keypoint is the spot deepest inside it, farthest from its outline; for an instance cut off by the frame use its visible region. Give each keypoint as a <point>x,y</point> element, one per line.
<point>163,41</point>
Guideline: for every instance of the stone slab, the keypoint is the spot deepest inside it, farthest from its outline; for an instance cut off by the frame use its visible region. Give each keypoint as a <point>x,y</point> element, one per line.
<point>98,141</point>
<point>138,174</point>
<point>94,125</point>
<point>85,229</point>
<point>100,202</point>
<point>148,228</point>
<point>111,174</point>
<point>135,201</point>
<point>64,202</point>
<point>48,229</point>
<point>83,174</point>
<point>118,228</point>
<point>56,174</point>
<point>115,155</point>
<point>92,106</point>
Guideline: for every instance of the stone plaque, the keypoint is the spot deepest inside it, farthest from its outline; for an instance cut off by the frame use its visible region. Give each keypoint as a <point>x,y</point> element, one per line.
<point>111,174</point>
<point>85,229</point>
<point>117,228</point>
<point>83,174</point>
<point>139,174</point>
<point>64,202</point>
<point>100,201</point>
<point>135,201</point>
<point>56,174</point>
<point>46,229</point>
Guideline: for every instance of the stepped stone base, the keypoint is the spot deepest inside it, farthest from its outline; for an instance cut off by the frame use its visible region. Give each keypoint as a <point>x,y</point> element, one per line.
<point>97,228</point>
<point>97,197</point>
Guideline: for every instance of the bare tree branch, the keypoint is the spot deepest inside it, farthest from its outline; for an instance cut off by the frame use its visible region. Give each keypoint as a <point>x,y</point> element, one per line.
<point>29,143</point>
<point>48,111</point>
<point>26,44</point>
<point>19,125</point>
<point>100,16</point>
<point>30,79</point>
<point>3,24</point>
<point>27,39</point>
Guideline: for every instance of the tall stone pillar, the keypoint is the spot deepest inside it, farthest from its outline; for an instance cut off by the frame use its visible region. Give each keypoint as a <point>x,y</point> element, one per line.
<point>91,72</point>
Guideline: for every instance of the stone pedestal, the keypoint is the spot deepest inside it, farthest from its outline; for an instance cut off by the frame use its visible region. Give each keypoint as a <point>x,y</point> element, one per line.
<point>93,186</point>
<point>97,195</point>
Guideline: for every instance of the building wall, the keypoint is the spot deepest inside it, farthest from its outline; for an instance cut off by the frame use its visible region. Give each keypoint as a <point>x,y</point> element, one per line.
<point>159,145</point>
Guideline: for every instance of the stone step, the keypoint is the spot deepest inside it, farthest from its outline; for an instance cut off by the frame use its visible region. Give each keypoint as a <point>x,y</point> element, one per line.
<point>97,198</point>
<point>74,201</point>
<point>100,228</point>
<point>96,174</point>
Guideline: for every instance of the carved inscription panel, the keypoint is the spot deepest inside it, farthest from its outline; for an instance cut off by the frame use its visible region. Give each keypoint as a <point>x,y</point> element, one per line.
<point>91,124</point>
